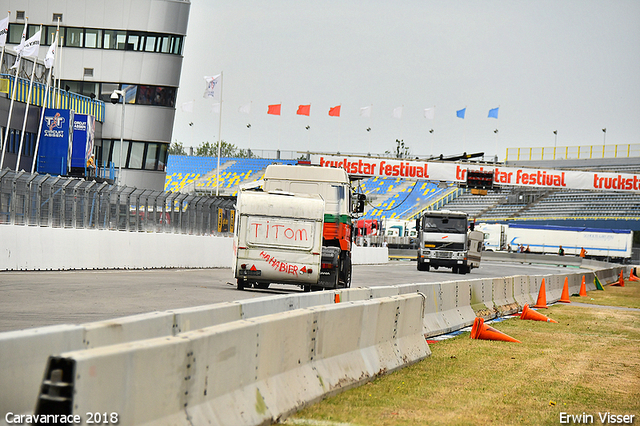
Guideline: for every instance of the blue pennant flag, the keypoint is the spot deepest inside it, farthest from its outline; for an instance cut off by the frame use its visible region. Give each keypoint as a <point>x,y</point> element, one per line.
<point>493,113</point>
<point>460,113</point>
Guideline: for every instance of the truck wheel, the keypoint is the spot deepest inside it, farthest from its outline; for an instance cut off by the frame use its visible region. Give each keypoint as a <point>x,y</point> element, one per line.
<point>307,288</point>
<point>462,270</point>
<point>454,269</point>
<point>422,266</point>
<point>240,284</point>
<point>262,286</point>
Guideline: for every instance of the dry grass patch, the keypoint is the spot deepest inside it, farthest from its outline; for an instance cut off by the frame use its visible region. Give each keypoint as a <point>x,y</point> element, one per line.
<point>589,363</point>
<point>627,296</point>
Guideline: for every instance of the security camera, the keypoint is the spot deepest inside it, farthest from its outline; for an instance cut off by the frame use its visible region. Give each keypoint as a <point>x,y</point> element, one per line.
<point>115,98</point>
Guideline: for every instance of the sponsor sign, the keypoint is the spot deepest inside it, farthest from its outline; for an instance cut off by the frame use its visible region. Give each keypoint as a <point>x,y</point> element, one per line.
<point>54,153</point>
<point>83,139</point>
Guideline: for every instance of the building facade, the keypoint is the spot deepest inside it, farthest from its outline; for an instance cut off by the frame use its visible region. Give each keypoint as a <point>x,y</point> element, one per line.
<point>132,46</point>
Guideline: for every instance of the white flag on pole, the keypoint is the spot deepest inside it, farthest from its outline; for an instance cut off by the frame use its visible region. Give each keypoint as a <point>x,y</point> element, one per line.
<point>19,48</point>
<point>187,106</point>
<point>50,58</point>
<point>430,113</point>
<point>213,87</point>
<point>365,111</point>
<point>32,45</point>
<point>4,30</point>
<point>245,109</point>
<point>397,112</point>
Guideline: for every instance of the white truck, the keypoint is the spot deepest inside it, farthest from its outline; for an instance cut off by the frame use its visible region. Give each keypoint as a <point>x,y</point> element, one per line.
<point>446,240</point>
<point>298,231</point>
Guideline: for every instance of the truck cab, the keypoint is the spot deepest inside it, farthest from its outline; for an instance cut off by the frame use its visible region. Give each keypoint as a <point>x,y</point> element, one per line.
<point>333,187</point>
<point>445,240</point>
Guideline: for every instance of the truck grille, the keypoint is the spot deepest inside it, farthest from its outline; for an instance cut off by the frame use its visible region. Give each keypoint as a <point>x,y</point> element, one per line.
<point>443,254</point>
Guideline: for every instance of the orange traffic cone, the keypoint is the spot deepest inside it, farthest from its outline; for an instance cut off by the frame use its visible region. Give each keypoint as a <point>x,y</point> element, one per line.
<point>565,291</point>
<point>583,288</point>
<point>620,281</point>
<point>542,297</point>
<point>482,331</point>
<point>530,314</point>
<point>632,275</point>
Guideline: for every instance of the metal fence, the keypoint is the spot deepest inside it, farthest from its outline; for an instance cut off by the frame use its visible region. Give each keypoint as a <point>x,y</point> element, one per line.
<point>62,202</point>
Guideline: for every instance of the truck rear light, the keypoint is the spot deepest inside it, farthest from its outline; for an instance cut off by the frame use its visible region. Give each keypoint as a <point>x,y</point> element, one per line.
<point>309,271</point>
<point>327,266</point>
<point>243,266</point>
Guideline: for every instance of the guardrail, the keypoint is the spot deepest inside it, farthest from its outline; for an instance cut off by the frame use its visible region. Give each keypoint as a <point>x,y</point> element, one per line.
<point>127,358</point>
<point>573,152</point>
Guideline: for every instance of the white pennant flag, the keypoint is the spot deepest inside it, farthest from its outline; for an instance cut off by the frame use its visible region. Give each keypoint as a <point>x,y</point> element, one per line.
<point>213,87</point>
<point>187,106</point>
<point>397,112</point>
<point>245,109</point>
<point>430,113</point>
<point>4,30</point>
<point>365,111</point>
<point>50,58</point>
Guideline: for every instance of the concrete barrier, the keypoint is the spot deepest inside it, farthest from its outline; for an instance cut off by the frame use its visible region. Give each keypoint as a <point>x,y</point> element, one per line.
<point>482,298</point>
<point>369,255</point>
<point>23,355</point>
<point>503,300</point>
<point>448,306</point>
<point>243,372</point>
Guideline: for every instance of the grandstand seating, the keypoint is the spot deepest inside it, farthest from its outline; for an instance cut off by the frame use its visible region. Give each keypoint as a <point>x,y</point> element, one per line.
<point>401,201</point>
<point>473,205</point>
<point>199,173</point>
<point>395,198</point>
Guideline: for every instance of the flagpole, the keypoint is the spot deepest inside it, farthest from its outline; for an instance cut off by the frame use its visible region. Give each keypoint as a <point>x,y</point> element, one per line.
<point>219,136</point>
<point>26,110</point>
<point>44,104</point>
<point>13,93</point>
<point>59,96</point>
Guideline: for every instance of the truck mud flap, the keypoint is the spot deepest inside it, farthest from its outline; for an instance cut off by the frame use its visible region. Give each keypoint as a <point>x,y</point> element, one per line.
<point>329,267</point>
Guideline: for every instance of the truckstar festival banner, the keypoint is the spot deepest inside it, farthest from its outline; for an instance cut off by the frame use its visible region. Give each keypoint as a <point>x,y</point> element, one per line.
<point>452,172</point>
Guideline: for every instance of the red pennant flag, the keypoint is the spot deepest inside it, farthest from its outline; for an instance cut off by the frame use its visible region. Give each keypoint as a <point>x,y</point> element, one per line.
<point>274,109</point>
<point>335,111</point>
<point>304,110</point>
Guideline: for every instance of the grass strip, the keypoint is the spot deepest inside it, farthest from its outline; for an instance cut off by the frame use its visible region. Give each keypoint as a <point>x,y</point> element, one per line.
<point>588,363</point>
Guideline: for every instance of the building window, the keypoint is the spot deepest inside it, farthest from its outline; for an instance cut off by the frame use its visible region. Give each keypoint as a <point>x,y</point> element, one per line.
<point>57,17</point>
<point>114,39</point>
<point>93,38</point>
<point>135,158</point>
<point>74,37</point>
<point>153,155</point>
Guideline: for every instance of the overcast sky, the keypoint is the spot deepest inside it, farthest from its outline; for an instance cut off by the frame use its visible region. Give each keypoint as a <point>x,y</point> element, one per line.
<point>566,65</point>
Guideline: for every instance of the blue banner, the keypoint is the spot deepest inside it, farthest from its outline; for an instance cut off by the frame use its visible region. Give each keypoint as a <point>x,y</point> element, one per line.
<point>83,137</point>
<point>54,153</point>
<point>460,112</point>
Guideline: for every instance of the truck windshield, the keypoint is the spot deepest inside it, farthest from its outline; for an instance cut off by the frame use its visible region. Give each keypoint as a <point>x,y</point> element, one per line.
<point>456,225</point>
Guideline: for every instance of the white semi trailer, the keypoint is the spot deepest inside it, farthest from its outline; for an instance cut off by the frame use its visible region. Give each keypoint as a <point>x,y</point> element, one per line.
<point>598,242</point>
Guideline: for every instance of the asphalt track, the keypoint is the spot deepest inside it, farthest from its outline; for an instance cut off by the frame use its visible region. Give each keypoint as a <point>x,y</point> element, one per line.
<point>36,299</point>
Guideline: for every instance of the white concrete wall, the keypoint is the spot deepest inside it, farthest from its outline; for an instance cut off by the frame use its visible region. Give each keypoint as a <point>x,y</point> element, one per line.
<point>42,248</point>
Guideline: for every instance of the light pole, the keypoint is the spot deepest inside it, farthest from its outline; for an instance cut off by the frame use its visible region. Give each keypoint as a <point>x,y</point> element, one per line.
<point>115,98</point>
